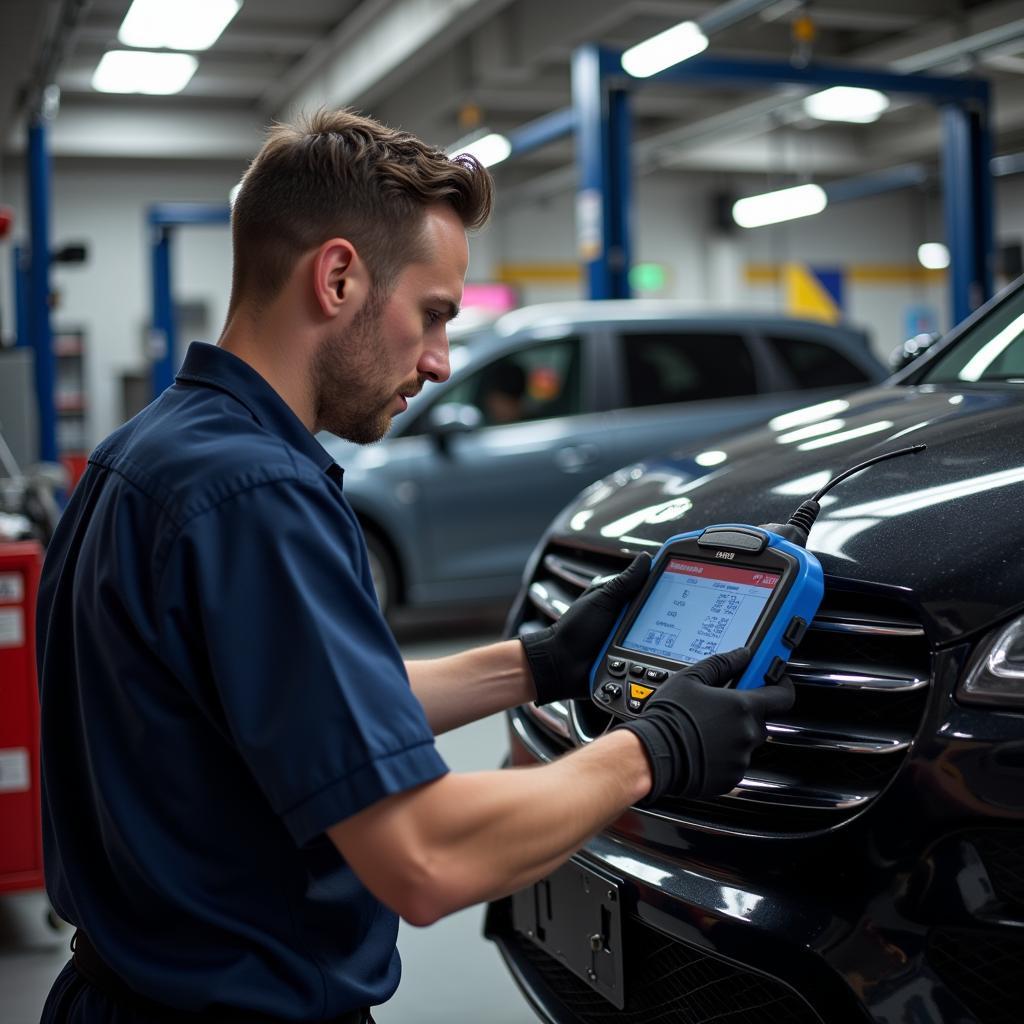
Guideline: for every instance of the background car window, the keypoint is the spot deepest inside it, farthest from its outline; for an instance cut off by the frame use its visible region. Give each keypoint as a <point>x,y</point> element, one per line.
<point>536,383</point>
<point>814,365</point>
<point>667,367</point>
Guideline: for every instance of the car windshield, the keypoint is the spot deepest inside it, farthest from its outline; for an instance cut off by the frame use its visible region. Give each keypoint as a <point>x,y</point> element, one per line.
<point>992,351</point>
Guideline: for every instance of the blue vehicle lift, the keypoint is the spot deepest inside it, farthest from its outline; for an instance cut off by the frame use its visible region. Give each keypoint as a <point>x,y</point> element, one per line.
<point>600,118</point>
<point>163,218</point>
<point>32,287</point>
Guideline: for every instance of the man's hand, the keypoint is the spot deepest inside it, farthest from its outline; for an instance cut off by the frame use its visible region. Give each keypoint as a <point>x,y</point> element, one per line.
<point>561,656</point>
<point>699,736</point>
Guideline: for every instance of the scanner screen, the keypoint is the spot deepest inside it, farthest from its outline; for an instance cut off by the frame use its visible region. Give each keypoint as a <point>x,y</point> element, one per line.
<point>699,608</point>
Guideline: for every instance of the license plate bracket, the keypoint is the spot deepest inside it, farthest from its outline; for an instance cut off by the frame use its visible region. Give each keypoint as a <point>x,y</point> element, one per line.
<point>575,915</point>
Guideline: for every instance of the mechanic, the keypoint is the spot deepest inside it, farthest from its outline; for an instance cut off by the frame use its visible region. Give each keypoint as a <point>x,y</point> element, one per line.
<point>241,788</point>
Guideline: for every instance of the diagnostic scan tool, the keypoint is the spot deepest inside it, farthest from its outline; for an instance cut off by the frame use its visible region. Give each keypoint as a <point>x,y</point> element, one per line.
<point>711,591</point>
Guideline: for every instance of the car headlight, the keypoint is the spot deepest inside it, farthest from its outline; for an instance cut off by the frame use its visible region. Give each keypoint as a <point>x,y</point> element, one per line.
<point>996,673</point>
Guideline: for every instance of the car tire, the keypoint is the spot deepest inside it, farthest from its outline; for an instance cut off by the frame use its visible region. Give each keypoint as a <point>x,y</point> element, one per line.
<point>384,572</point>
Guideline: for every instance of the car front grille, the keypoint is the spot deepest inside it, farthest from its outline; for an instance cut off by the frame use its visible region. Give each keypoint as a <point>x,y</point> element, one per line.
<point>982,967</point>
<point>862,674</point>
<point>1002,853</point>
<point>666,981</point>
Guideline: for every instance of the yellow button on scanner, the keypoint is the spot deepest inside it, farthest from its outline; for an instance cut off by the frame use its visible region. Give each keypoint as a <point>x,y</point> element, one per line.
<point>638,692</point>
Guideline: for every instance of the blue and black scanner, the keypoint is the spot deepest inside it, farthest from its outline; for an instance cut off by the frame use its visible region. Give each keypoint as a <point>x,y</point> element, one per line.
<point>713,590</point>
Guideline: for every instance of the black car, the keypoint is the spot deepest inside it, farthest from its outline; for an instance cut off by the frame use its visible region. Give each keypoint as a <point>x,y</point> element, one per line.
<point>870,866</point>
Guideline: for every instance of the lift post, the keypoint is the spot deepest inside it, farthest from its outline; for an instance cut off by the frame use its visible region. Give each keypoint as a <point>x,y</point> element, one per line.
<point>603,160</point>
<point>38,286</point>
<point>163,218</point>
<point>600,101</point>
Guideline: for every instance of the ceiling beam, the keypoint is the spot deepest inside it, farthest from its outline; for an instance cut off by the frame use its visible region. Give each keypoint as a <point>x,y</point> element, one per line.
<point>378,45</point>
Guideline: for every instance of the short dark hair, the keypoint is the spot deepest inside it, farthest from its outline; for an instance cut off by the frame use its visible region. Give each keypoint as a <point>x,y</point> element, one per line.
<point>338,174</point>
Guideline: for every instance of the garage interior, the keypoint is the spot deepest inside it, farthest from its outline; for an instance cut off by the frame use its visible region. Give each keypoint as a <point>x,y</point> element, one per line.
<point>922,221</point>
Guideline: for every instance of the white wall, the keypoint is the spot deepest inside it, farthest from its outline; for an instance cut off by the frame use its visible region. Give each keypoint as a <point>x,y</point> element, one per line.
<point>104,204</point>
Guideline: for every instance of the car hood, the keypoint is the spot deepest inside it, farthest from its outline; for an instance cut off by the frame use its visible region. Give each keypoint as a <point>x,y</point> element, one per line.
<point>945,525</point>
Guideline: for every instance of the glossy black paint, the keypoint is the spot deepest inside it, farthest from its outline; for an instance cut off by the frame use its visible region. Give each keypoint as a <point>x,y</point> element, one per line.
<point>849,915</point>
<point>942,525</point>
<point>842,916</point>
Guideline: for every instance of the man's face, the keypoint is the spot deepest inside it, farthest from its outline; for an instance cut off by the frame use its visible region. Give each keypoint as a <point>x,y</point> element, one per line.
<point>397,343</point>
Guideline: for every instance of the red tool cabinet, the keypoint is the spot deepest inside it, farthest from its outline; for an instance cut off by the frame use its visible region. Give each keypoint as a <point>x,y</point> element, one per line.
<point>21,847</point>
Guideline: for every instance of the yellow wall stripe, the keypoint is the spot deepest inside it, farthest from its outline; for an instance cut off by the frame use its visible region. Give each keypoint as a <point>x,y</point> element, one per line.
<point>538,273</point>
<point>856,273</point>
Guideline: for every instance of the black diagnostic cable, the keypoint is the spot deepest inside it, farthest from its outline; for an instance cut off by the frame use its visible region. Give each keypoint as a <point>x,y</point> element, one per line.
<point>801,521</point>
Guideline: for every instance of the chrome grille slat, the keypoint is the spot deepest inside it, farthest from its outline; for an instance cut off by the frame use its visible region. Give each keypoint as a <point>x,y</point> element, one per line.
<point>850,740</point>
<point>786,792</point>
<point>865,627</point>
<point>553,716</point>
<point>805,674</point>
<point>549,598</point>
<point>570,571</point>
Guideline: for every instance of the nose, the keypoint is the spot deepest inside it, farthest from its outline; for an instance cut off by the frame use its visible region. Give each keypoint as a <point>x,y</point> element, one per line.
<point>434,364</point>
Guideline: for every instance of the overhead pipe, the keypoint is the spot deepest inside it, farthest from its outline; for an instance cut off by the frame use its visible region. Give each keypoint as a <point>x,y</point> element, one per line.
<point>728,14</point>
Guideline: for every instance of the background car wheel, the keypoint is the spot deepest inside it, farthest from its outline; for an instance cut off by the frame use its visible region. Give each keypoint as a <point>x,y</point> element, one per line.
<point>384,572</point>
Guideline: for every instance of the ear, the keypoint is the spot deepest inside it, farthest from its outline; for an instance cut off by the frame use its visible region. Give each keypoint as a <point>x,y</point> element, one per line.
<point>341,281</point>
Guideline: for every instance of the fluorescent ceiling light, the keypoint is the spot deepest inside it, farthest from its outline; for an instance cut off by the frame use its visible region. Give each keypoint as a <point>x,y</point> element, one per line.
<point>933,256</point>
<point>176,24</point>
<point>489,149</point>
<point>670,47</point>
<point>844,103</point>
<point>157,74</point>
<point>786,204</point>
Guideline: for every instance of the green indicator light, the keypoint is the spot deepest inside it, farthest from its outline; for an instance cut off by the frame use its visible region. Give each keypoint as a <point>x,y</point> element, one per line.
<point>647,277</point>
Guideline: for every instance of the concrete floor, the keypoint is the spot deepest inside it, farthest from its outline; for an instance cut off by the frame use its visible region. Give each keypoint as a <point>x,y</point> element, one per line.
<point>451,974</point>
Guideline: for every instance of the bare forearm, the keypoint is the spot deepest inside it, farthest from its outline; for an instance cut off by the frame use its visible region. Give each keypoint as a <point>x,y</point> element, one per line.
<point>519,825</point>
<point>475,837</point>
<point>466,687</point>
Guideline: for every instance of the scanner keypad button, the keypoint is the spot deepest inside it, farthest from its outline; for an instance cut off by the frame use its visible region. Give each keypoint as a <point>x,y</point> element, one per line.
<point>616,667</point>
<point>637,670</point>
<point>657,675</point>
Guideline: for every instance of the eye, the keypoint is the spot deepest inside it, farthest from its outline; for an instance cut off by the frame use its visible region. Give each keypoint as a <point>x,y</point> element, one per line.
<point>433,316</point>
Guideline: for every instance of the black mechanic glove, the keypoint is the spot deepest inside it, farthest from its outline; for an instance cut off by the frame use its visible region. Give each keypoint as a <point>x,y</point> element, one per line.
<point>561,656</point>
<point>699,736</point>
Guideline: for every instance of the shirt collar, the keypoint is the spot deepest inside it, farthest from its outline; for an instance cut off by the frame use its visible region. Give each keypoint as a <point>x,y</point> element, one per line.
<point>211,366</point>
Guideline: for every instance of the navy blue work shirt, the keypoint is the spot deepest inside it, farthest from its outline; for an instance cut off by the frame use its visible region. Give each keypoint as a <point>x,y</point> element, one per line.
<point>218,687</point>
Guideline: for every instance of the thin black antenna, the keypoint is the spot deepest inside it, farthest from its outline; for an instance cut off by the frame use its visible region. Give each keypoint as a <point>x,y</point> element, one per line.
<point>801,521</point>
<point>912,450</point>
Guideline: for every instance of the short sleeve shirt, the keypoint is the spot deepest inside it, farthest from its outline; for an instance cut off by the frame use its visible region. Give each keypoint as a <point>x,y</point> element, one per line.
<point>218,687</point>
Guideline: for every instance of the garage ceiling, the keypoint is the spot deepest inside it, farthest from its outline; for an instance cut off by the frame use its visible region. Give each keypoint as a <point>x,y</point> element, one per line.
<point>420,63</point>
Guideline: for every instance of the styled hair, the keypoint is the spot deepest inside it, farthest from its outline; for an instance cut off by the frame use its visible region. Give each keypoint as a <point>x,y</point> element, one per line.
<point>338,174</point>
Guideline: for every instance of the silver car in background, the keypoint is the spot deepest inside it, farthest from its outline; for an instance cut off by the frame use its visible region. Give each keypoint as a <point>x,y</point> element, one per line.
<point>549,398</point>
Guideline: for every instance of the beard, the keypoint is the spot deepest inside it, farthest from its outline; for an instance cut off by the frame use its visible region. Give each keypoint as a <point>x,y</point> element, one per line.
<point>353,379</point>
